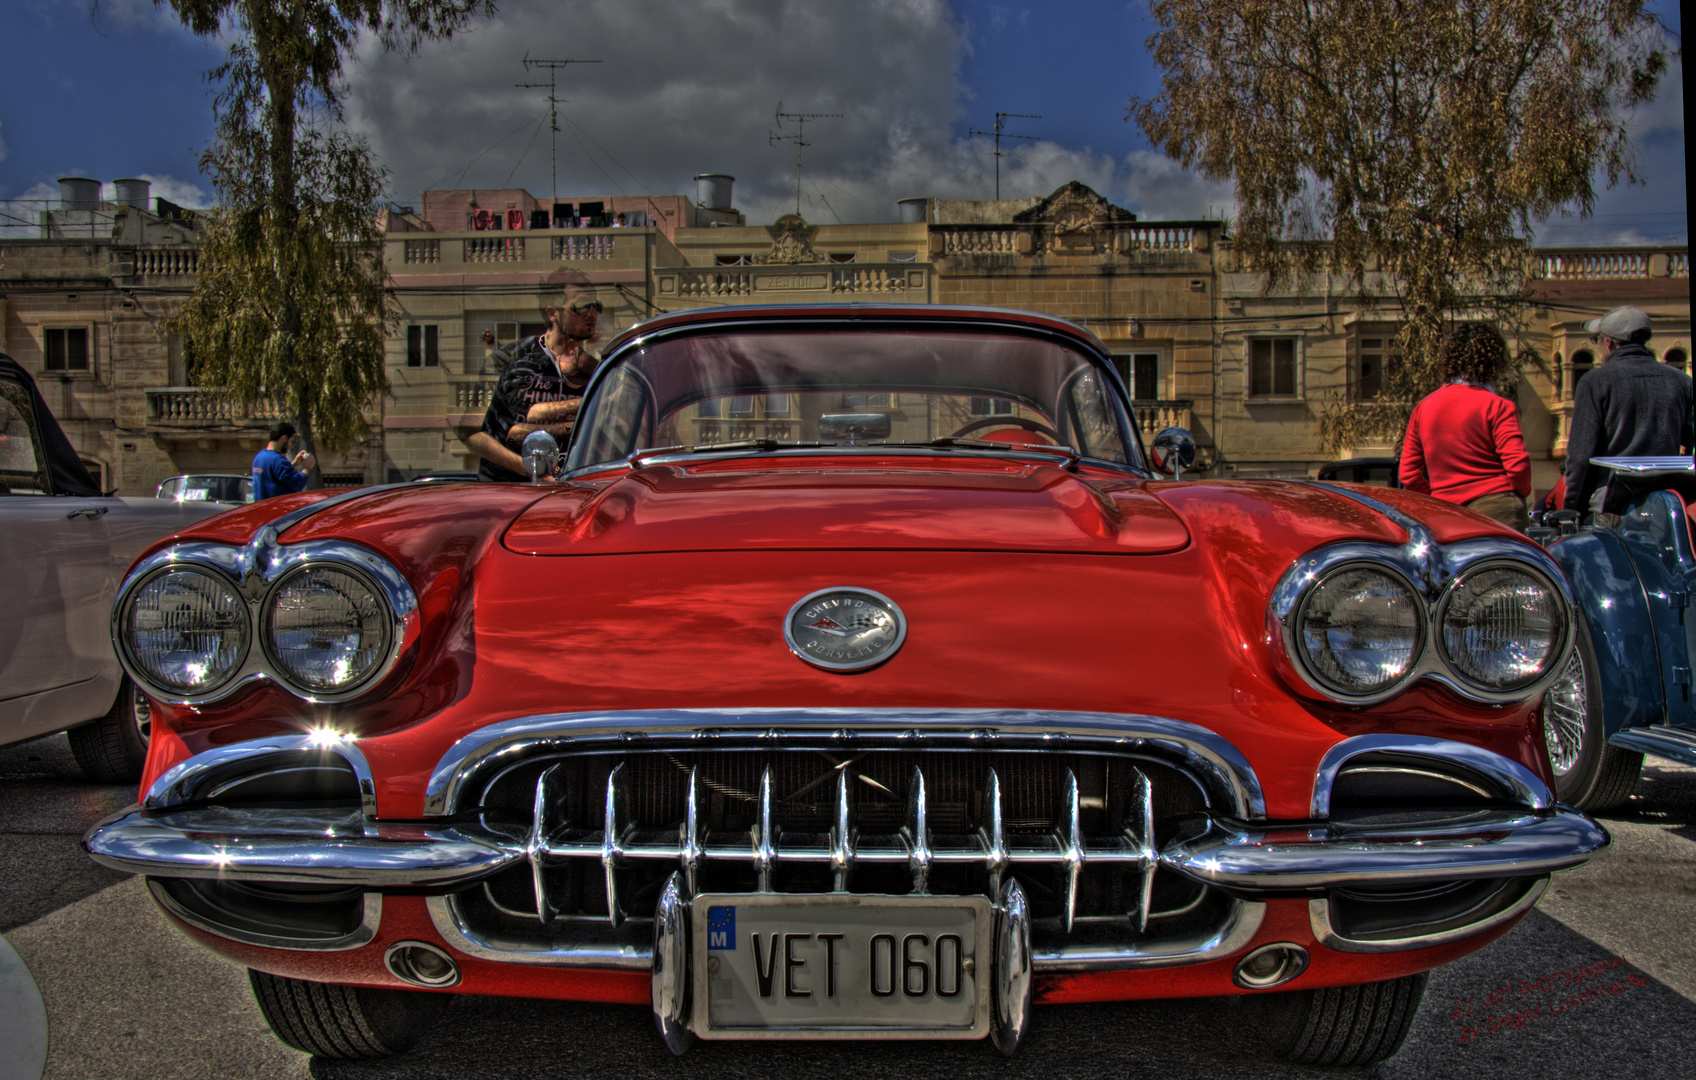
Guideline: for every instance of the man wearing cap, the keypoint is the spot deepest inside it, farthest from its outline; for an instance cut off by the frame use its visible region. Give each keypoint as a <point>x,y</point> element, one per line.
<point>1631,406</point>
<point>542,387</point>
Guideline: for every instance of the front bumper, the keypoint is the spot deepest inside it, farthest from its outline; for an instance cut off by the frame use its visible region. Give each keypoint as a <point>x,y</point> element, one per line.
<point>331,847</point>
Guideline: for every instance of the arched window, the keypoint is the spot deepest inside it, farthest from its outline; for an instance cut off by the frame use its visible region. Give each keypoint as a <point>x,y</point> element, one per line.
<point>1583,362</point>
<point>1678,358</point>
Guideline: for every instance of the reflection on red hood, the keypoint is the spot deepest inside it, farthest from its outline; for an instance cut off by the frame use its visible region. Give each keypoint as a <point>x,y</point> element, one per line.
<point>865,504</point>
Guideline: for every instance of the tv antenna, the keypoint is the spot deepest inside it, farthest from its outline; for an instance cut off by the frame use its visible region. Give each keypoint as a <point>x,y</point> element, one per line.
<point>773,138</point>
<point>552,67</point>
<point>999,134</point>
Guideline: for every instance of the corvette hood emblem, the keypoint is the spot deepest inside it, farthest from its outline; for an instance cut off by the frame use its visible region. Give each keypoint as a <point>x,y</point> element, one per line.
<point>844,629</point>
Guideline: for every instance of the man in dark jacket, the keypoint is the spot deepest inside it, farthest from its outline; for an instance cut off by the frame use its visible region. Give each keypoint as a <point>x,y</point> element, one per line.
<point>541,387</point>
<point>1631,406</point>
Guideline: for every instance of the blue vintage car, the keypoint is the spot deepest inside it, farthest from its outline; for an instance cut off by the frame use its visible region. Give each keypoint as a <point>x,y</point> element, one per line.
<point>1627,690</point>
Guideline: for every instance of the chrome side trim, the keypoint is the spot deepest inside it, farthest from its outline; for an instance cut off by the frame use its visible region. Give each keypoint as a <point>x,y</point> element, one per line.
<point>255,570</point>
<point>1319,916</point>
<point>482,754</point>
<point>1682,463</point>
<point>669,993</point>
<point>1513,781</point>
<point>1433,571</point>
<point>371,920</point>
<point>312,846</point>
<point>1484,844</point>
<point>186,781</point>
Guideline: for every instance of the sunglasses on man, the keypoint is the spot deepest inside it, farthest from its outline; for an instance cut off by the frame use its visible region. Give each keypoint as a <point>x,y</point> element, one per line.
<point>580,308</point>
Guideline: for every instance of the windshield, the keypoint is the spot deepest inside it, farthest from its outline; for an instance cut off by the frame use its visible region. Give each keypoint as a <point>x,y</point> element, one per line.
<point>849,387</point>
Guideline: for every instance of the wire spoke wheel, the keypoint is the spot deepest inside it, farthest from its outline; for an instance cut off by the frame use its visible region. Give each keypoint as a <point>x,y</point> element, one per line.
<point>1565,713</point>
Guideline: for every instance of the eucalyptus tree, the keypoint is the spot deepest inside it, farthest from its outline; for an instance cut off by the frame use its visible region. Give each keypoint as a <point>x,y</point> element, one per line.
<point>1407,145</point>
<point>291,301</point>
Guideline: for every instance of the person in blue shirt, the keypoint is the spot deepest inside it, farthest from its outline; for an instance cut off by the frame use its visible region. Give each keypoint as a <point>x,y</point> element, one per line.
<point>274,472</point>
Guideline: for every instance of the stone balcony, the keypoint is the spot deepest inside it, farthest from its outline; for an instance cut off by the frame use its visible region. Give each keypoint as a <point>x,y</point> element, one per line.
<point>900,282</point>
<point>1153,417</point>
<point>518,250</point>
<point>190,411</point>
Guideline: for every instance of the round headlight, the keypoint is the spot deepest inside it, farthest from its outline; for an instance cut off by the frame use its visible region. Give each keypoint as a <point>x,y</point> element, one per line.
<point>1502,627</point>
<point>326,629</point>
<point>1359,631</point>
<point>186,631</point>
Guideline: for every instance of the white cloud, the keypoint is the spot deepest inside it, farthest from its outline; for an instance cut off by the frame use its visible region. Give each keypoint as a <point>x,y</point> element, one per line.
<point>1160,188</point>
<point>184,193</point>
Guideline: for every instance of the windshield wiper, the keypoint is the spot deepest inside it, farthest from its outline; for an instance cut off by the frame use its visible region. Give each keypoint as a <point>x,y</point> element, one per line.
<point>1072,456</point>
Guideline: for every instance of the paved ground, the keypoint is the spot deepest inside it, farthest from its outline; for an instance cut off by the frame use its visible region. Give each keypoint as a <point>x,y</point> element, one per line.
<point>126,996</point>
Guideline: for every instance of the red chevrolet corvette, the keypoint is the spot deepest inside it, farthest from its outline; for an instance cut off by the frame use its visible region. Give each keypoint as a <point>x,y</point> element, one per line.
<point>854,674</point>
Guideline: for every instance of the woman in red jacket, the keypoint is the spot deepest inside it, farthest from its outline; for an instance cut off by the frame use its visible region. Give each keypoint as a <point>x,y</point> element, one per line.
<point>1463,442</point>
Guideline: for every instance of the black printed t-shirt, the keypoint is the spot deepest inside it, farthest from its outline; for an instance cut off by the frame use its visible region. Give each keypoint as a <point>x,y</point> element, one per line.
<point>530,379</point>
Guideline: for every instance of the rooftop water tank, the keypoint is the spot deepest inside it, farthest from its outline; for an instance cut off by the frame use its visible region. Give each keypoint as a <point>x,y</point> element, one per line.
<point>79,193</point>
<point>911,211</point>
<point>712,190</point>
<point>132,192</point>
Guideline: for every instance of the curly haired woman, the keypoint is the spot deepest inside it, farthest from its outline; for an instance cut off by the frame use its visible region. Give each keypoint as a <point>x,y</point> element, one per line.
<point>1463,442</point>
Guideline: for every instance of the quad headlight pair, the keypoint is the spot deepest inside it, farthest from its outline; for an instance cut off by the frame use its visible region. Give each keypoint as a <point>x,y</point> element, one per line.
<point>326,625</point>
<point>1358,629</point>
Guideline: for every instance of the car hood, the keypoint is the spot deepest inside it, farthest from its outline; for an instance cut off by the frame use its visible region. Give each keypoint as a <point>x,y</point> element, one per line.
<point>957,505</point>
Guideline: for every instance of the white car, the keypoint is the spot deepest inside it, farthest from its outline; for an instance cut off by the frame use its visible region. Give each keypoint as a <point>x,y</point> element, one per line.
<point>64,546</point>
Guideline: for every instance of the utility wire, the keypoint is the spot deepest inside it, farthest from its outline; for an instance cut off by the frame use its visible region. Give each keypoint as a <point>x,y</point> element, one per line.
<point>524,155</point>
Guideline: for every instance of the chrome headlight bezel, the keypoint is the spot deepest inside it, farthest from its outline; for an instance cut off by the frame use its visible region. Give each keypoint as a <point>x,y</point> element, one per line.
<point>1562,625</point>
<point>1432,570</point>
<point>266,631</point>
<point>1421,633</point>
<point>256,570</point>
<point>125,647</point>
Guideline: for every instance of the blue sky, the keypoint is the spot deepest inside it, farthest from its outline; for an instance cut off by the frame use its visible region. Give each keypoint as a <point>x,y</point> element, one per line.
<point>116,89</point>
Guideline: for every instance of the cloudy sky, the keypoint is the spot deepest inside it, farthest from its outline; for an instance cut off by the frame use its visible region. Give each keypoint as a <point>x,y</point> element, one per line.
<point>114,88</point>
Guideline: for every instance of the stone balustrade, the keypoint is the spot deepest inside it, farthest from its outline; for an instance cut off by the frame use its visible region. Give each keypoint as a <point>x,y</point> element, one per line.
<point>979,241</point>
<point>872,280</point>
<point>190,406</point>
<point>1156,238</point>
<point>422,251</point>
<point>1610,264</point>
<point>1155,416</point>
<point>703,283</point>
<point>583,246</point>
<point>167,262</point>
<point>494,249</point>
<point>472,397</point>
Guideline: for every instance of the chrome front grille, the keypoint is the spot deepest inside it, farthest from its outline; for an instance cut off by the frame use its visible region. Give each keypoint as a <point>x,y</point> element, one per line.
<point>1081,832</point>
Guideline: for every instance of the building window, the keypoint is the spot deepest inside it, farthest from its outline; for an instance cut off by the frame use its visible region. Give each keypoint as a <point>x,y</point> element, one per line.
<point>903,256</point>
<point>65,348</point>
<point>867,401</point>
<point>742,406</point>
<point>1272,368</point>
<point>1678,358</point>
<point>842,256</point>
<point>1583,361</point>
<point>1371,356</point>
<point>421,348</point>
<point>731,260</point>
<point>988,406</point>
<point>777,404</point>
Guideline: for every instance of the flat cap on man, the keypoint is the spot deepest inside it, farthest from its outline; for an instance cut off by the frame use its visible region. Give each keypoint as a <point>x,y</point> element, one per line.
<point>1621,324</point>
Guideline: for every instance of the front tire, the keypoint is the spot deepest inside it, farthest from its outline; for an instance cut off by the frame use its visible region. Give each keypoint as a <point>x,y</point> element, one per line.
<point>1590,775</point>
<point>349,1023</point>
<point>1346,1025</point>
<point>113,749</point>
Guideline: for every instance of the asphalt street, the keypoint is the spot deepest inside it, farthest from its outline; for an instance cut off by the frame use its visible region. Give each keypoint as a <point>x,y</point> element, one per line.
<point>127,996</point>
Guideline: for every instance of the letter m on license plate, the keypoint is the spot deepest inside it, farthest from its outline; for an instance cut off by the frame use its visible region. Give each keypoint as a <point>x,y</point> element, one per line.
<point>721,928</point>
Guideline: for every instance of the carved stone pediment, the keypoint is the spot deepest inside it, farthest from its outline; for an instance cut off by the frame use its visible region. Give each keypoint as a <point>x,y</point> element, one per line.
<point>791,241</point>
<point>1074,220</point>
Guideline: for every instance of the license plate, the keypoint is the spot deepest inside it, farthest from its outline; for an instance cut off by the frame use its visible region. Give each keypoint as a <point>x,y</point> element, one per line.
<point>841,966</point>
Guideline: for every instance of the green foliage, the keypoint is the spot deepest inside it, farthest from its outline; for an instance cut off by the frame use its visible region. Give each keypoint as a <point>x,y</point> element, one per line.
<point>291,301</point>
<point>1407,145</point>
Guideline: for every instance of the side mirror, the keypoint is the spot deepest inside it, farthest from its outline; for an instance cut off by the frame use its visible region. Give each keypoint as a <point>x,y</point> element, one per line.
<point>540,454</point>
<point>854,425</point>
<point>1173,451</point>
